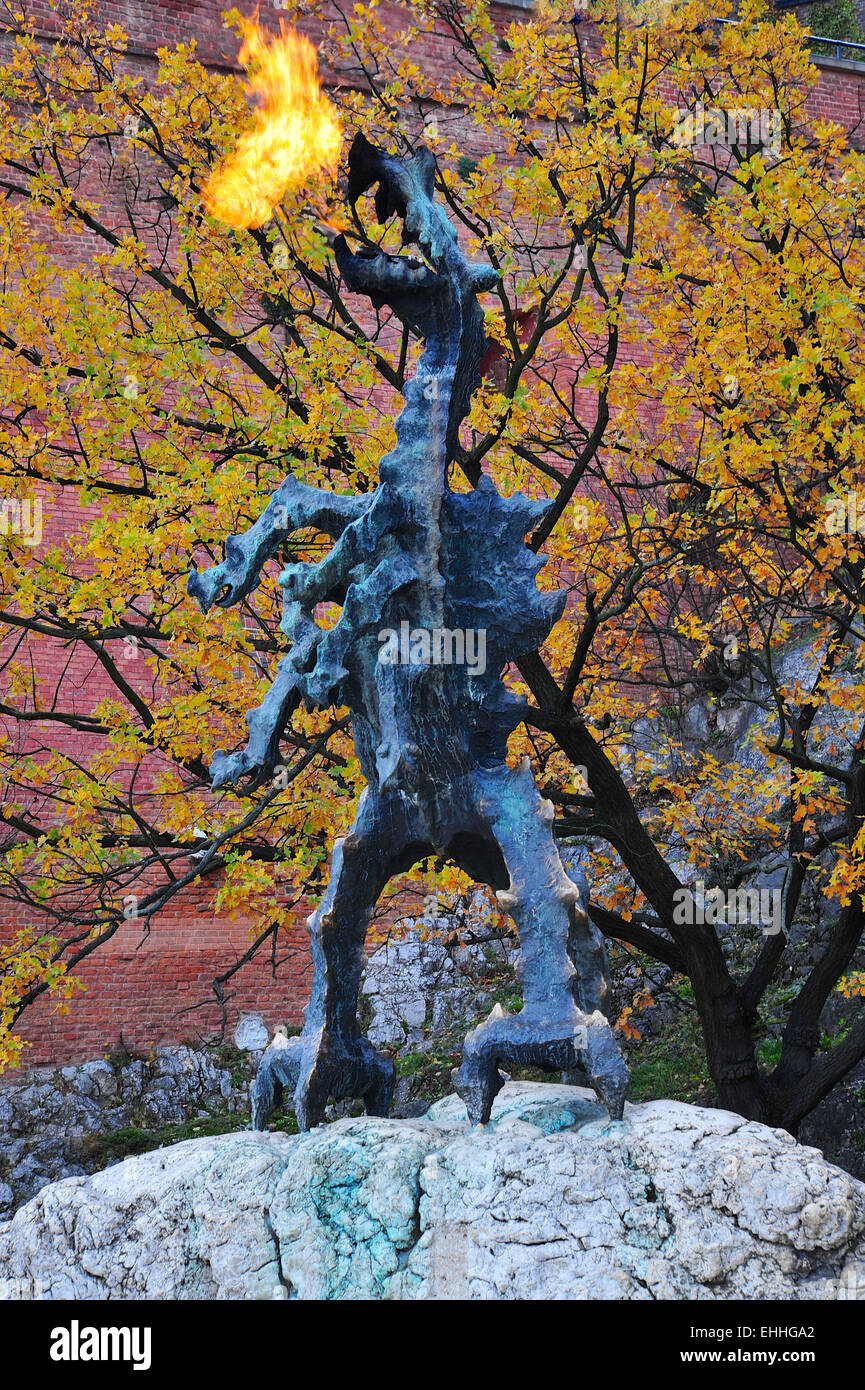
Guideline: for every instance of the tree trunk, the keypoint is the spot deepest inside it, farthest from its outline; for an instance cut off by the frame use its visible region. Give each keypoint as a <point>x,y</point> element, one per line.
<point>726,1022</point>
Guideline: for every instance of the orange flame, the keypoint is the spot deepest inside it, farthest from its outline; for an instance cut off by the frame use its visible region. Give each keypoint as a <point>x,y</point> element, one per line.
<point>296,132</point>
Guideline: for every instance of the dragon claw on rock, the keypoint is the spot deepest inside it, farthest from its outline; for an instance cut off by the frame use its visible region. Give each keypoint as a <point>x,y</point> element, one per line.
<point>579,1040</point>
<point>340,1068</point>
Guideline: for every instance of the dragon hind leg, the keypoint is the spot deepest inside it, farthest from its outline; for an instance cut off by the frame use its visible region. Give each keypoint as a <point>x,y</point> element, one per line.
<point>562,965</point>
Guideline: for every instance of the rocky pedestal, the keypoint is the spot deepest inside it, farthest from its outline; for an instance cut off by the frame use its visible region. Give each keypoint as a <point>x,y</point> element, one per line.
<point>550,1200</point>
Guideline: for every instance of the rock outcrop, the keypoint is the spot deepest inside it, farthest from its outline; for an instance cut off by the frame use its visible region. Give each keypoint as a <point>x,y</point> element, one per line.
<point>550,1200</point>
<point>53,1120</point>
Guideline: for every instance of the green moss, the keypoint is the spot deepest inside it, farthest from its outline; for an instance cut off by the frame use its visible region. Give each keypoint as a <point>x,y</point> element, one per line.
<point>429,1073</point>
<point>509,996</point>
<point>828,1041</point>
<point>412,1064</point>
<point>118,1057</point>
<point>129,1140</point>
<point>285,1124</point>
<point>364,1013</point>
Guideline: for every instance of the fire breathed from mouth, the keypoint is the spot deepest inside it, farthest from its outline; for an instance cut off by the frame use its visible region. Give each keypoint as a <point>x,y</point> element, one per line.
<point>296,133</point>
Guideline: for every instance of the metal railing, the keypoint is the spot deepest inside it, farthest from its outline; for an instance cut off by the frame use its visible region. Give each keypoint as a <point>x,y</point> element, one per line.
<point>837,44</point>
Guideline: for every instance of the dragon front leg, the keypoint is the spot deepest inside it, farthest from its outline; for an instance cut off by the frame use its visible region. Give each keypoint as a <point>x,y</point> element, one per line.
<point>292,507</point>
<point>313,670</point>
<point>365,601</point>
<point>358,545</point>
<point>258,759</point>
<point>335,1059</point>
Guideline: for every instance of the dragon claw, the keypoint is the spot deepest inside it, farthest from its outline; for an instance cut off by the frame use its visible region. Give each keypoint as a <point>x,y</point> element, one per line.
<point>580,1039</point>
<point>342,1069</point>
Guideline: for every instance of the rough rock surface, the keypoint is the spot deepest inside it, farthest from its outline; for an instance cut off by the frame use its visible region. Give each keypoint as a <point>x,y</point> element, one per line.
<point>423,981</point>
<point>549,1201</point>
<point>52,1118</point>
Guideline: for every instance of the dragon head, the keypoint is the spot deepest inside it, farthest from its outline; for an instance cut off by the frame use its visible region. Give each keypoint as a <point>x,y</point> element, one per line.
<point>436,295</point>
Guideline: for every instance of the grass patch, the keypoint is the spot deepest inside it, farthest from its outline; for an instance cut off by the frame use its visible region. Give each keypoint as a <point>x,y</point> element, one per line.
<point>412,1064</point>
<point>122,1143</point>
<point>673,1066</point>
<point>768,1053</point>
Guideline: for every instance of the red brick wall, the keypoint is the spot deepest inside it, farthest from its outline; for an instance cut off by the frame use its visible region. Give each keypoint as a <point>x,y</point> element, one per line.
<point>142,993</point>
<point>139,993</point>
